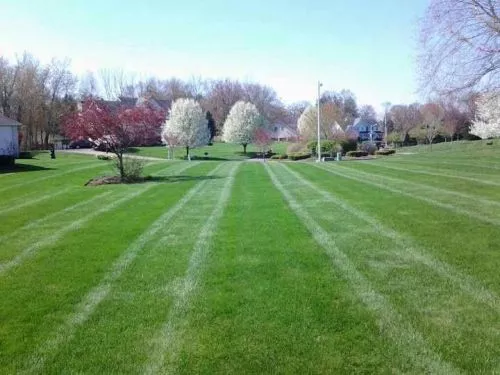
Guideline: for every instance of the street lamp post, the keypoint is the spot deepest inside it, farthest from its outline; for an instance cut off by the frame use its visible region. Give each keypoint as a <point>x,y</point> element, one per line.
<point>318,148</point>
<point>386,105</point>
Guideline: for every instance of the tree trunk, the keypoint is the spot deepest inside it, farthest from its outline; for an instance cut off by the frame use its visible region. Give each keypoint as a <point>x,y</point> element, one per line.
<point>245,148</point>
<point>119,156</point>
<point>187,153</point>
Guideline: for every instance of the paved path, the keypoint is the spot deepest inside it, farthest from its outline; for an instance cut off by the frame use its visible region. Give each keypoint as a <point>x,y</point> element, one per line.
<point>90,151</point>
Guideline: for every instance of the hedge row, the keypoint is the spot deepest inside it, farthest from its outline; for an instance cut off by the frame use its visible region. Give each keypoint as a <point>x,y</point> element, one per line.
<point>356,154</point>
<point>299,156</point>
<point>387,151</point>
<point>279,157</point>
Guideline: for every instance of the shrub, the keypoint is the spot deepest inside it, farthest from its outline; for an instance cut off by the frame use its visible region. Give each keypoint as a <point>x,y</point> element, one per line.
<point>26,155</point>
<point>279,157</point>
<point>327,147</point>
<point>386,151</point>
<point>299,155</point>
<point>349,145</point>
<point>368,147</point>
<point>132,168</point>
<point>357,154</point>
<point>104,157</point>
<point>296,147</point>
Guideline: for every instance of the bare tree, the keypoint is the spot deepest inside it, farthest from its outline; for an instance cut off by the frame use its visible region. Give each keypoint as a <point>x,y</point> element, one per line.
<point>88,86</point>
<point>367,113</point>
<point>220,98</point>
<point>60,84</point>
<point>8,78</point>
<point>117,83</point>
<point>405,118</point>
<point>345,100</point>
<point>460,46</point>
<point>433,116</point>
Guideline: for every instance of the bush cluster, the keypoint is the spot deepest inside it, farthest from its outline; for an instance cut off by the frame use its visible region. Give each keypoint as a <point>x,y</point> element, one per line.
<point>332,147</point>
<point>299,155</point>
<point>26,155</point>
<point>279,157</point>
<point>386,151</point>
<point>357,154</point>
<point>368,147</point>
<point>104,157</point>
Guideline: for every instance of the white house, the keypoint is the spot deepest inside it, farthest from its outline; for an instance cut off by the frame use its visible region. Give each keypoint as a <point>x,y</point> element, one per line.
<point>9,137</point>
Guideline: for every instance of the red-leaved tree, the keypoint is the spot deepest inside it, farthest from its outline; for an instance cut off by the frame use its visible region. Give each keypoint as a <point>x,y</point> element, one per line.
<point>116,128</point>
<point>262,139</point>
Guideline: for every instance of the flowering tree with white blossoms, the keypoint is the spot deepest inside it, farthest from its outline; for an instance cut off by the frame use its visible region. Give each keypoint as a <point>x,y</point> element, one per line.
<point>241,123</point>
<point>186,126</point>
<point>487,123</point>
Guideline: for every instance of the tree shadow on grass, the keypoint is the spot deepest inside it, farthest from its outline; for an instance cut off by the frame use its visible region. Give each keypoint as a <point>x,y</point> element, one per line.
<point>114,180</point>
<point>170,179</point>
<point>23,168</point>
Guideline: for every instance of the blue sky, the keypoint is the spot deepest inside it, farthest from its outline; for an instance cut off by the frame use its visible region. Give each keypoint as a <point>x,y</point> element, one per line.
<point>366,46</point>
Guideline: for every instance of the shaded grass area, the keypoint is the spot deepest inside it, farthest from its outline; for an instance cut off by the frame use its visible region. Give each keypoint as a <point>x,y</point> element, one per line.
<point>218,151</point>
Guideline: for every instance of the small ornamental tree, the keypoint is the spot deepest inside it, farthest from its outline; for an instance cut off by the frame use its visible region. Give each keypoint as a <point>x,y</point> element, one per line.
<point>262,139</point>
<point>487,124</point>
<point>211,125</point>
<point>186,126</point>
<point>241,123</point>
<point>433,117</point>
<point>117,128</point>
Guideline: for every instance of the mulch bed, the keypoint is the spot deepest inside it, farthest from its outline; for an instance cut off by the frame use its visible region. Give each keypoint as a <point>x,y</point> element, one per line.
<point>110,180</point>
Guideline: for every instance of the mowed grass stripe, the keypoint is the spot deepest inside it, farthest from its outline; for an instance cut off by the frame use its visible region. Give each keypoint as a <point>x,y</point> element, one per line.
<point>407,248</point>
<point>85,308</point>
<point>48,218</point>
<point>485,167</point>
<point>437,173</point>
<point>268,301</point>
<point>351,175</point>
<point>30,202</point>
<point>17,219</point>
<point>481,191</point>
<point>437,192</point>
<point>410,341</point>
<point>137,304</point>
<point>75,225</point>
<point>166,343</point>
<point>92,165</point>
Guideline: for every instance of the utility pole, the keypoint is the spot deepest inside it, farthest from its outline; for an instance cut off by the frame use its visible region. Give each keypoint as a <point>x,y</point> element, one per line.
<point>386,105</point>
<point>318,147</point>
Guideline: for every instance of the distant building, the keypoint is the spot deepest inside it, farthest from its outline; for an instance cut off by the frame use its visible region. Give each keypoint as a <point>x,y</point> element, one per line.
<point>283,132</point>
<point>9,138</point>
<point>367,130</point>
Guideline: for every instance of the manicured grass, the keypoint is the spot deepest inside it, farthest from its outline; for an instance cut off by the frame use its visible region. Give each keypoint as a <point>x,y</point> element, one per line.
<point>218,151</point>
<point>381,266</point>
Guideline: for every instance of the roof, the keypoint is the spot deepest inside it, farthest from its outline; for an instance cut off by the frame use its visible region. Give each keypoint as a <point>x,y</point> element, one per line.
<point>283,131</point>
<point>5,121</point>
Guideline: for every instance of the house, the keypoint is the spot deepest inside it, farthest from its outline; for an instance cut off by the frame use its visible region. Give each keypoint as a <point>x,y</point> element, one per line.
<point>9,139</point>
<point>283,132</point>
<point>367,130</point>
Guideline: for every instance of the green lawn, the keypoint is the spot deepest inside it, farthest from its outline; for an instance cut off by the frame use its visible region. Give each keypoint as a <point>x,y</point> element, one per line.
<point>218,151</point>
<point>380,266</point>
